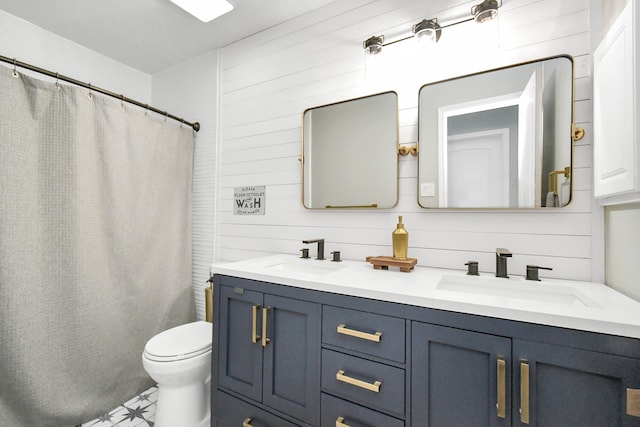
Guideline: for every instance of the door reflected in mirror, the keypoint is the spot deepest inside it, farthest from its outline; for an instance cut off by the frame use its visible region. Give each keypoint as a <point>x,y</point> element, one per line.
<point>350,153</point>
<point>498,139</point>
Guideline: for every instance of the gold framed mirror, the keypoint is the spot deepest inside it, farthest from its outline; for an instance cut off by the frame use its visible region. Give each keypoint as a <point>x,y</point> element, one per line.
<point>499,139</point>
<point>350,153</point>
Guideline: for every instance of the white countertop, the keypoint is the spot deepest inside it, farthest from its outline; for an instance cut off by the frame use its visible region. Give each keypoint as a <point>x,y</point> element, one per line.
<point>584,306</point>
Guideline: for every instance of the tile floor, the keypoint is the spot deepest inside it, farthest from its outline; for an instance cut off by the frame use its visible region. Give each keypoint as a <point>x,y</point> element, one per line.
<point>137,412</point>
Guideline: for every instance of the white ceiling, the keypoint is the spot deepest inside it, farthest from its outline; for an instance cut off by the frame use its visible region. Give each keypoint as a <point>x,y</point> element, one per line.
<point>152,35</point>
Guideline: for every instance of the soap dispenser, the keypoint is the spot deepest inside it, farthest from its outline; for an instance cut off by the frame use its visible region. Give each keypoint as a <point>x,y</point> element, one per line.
<point>400,238</point>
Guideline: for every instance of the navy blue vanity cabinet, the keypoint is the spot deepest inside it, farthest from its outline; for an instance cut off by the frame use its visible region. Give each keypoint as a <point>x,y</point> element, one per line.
<point>287,356</point>
<point>562,386</point>
<point>459,378</point>
<point>269,352</point>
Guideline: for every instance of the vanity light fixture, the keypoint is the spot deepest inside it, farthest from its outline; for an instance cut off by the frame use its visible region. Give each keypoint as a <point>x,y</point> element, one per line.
<point>485,11</point>
<point>430,29</point>
<point>373,45</point>
<point>427,30</point>
<point>205,10</point>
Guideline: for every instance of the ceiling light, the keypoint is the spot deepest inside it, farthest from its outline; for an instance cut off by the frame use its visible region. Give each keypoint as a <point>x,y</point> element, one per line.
<point>427,30</point>
<point>205,10</point>
<point>485,11</point>
<point>373,45</point>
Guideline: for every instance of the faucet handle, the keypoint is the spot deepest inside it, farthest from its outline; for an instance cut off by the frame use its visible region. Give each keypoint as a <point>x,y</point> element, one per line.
<point>532,272</point>
<point>472,268</point>
<point>305,253</point>
<point>503,252</point>
<point>336,256</point>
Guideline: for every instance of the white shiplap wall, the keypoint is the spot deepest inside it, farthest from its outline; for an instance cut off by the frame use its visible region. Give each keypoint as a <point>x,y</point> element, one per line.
<point>267,80</point>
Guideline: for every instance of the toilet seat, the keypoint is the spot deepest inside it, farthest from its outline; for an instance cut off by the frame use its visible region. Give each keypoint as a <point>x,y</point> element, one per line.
<point>180,343</point>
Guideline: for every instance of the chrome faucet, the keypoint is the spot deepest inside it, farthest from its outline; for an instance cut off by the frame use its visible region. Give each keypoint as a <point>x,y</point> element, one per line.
<point>501,262</point>
<point>320,243</point>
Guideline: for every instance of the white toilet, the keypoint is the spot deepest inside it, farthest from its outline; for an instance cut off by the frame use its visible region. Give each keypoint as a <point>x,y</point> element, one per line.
<point>179,360</point>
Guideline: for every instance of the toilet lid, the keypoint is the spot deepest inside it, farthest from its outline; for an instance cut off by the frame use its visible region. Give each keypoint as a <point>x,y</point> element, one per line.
<point>182,342</point>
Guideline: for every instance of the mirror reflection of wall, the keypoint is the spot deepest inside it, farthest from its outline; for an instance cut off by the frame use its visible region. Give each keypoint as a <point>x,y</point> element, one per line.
<point>498,139</point>
<point>350,153</point>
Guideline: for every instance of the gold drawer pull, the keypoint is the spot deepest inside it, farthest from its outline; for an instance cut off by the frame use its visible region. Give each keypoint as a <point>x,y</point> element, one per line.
<point>247,422</point>
<point>342,329</point>
<point>502,388</point>
<point>254,324</point>
<point>265,340</point>
<point>340,422</point>
<point>524,392</point>
<point>633,402</point>
<point>375,387</point>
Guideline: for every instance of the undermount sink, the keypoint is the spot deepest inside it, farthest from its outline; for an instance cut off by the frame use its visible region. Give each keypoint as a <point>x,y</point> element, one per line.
<point>307,266</point>
<point>516,290</point>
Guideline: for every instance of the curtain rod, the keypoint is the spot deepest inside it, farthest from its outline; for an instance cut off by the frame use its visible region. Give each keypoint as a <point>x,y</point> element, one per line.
<point>57,76</point>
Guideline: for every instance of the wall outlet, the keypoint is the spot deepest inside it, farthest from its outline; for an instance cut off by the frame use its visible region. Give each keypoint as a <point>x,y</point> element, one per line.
<point>427,189</point>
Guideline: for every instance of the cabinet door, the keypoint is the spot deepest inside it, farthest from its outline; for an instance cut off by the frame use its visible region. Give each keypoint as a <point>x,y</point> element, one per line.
<point>292,358</point>
<point>240,358</point>
<point>614,109</point>
<point>560,386</point>
<point>459,378</point>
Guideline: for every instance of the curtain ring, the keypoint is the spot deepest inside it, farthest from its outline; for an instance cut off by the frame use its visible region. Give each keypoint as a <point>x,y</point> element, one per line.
<point>90,94</point>
<point>57,79</point>
<point>15,70</point>
<point>122,101</point>
<point>146,111</point>
<point>166,114</point>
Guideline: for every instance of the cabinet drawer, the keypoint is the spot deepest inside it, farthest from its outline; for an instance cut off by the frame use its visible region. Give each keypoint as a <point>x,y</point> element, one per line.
<point>373,384</point>
<point>353,415</point>
<point>233,412</point>
<point>373,334</point>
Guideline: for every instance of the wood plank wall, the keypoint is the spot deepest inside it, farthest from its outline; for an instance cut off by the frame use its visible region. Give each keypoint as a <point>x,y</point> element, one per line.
<point>267,80</point>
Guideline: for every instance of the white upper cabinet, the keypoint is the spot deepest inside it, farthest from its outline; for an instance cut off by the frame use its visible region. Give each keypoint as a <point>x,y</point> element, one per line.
<point>616,77</point>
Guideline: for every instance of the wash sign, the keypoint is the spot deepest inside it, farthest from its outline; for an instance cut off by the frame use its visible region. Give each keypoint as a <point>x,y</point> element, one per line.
<point>248,200</point>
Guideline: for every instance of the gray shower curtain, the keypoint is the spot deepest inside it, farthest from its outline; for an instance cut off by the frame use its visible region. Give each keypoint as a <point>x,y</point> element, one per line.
<point>95,248</point>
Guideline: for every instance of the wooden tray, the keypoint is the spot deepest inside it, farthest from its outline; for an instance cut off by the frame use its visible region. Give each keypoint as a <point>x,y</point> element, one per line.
<point>384,262</point>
